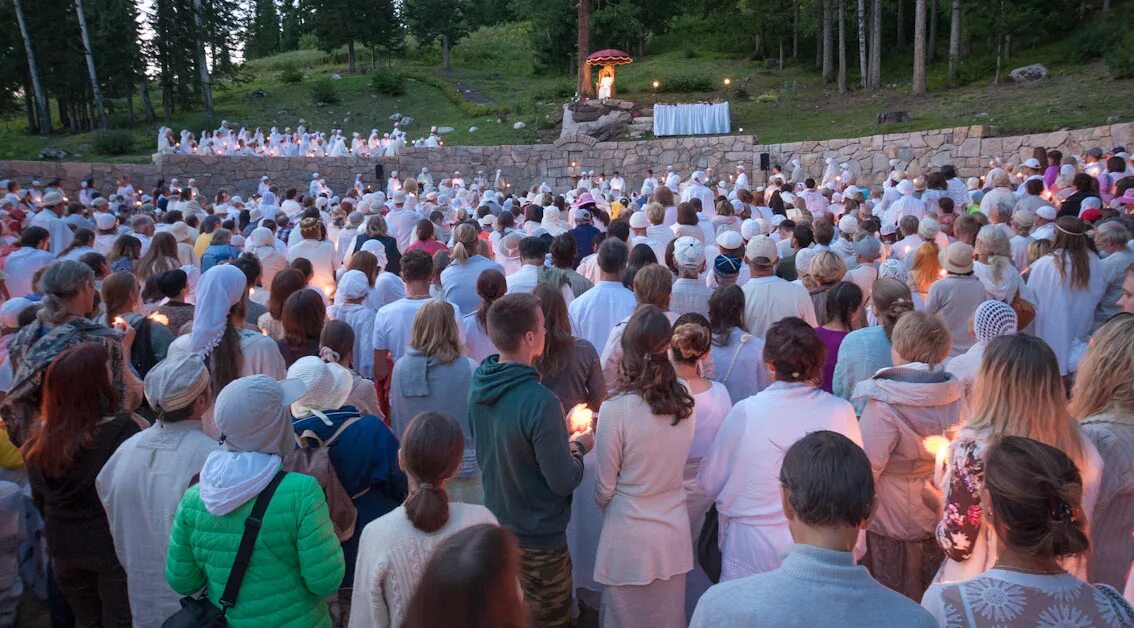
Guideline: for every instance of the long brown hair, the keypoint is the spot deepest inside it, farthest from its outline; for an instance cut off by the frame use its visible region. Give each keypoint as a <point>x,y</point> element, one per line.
<point>470,582</point>
<point>432,449</point>
<point>1019,392</point>
<point>160,258</point>
<point>646,369</point>
<point>1071,238</point>
<point>367,263</point>
<point>284,284</point>
<point>77,394</point>
<point>119,290</point>
<point>303,316</point>
<point>558,344</point>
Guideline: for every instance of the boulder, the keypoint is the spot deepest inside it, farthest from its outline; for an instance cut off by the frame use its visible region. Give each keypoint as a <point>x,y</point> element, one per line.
<point>1028,73</point>
<point>406,121</point>
<point>445,129</point>
<point>256,94</point>
<point>397,117</point>
<point>53,154</point>
<point>336,77</point>
<point>519,125</point>
<point>473,129</point>
<point>885,117</point>
<point>610,124</point>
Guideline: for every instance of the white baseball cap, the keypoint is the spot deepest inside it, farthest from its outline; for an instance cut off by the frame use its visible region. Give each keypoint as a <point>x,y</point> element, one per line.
<point>730,239</point>
<point>688,251</point>
<point>638,220</point>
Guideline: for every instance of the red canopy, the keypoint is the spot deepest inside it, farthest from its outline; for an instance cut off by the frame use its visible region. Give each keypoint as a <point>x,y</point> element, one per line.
<point>609,57</point>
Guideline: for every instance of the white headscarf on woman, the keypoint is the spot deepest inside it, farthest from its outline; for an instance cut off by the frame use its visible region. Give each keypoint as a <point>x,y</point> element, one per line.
<point>220,288</point>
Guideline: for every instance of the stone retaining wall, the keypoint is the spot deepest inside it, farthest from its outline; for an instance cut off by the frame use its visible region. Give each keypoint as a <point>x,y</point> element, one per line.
<point>968,148</point>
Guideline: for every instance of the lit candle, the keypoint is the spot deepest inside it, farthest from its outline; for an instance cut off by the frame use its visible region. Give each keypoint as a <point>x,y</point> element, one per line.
<point>580,419</point>
<point>119,322</point>
<point>158,317</point>
<point>939,447</point>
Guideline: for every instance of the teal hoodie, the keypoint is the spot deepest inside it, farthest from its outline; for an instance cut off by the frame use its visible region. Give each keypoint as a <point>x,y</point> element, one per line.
<point>521,446</point>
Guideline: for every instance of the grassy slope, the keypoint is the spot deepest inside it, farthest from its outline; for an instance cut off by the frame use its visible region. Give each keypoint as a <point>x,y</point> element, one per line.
<point>1072,97</point>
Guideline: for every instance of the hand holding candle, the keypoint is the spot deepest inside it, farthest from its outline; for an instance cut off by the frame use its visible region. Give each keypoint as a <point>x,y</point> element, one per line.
<point>939,447</point>
<point>580,419</point>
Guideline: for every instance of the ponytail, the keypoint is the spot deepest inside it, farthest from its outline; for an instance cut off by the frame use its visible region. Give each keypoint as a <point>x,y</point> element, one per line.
<point>432,449</point>
<point>464,243</point>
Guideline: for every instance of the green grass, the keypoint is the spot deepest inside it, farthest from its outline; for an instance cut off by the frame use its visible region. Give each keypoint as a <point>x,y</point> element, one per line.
<point>801,106</point>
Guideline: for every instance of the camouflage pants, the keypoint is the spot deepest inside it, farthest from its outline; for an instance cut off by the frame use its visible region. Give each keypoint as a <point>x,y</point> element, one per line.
<point>545,577</point>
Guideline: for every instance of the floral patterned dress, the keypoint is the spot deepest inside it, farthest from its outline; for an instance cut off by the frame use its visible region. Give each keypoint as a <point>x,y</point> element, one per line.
<point>969,545</point>
<point>1010,598</point>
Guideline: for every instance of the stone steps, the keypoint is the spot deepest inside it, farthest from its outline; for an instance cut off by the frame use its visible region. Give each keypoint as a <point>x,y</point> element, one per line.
<point>644,120</point>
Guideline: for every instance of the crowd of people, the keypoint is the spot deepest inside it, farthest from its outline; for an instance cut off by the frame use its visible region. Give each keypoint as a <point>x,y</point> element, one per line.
<point>301,142</point>
<point>704,403</point>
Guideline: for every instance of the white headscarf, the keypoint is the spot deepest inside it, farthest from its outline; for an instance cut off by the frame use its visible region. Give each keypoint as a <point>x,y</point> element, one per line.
<point>378,250</point>
<point>260,237</point>
<point>220,288</point>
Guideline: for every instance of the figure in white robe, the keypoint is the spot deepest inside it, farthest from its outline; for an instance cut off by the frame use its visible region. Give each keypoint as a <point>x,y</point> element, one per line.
<point>797,175</point>
<point>741,179</point>
<point>393,183</point>
<point>1064,313</point>
<point>374,142</point>
<point>672,181</point>
<point>274,141</point>
<point>390,147</point>
<point>357,146</point>
<point>263,187</point>
<point>606,87</point>
<point>164,142</point>
<point>829,174</point>
<point>315,187</point>
<point>183,145</point>
<point>425,179</point>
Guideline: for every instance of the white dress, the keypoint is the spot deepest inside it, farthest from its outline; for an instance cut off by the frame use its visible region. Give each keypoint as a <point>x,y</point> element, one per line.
<point>1064,314</point>
<point>741,469</point>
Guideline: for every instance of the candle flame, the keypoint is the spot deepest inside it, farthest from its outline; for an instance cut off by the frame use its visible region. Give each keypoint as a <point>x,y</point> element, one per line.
<point>936,445</point>
<point>118,320</point>
<point>158,317</point>
<point>579,419</point>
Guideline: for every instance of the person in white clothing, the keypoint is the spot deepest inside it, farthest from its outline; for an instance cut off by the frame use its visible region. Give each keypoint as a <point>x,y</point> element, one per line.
<point>991,319</point>
<point>741,468</point>
<point>354,288</point>
<point>696,188</point>
<point>769,298</point>
<point>321,253</point>
<point>639,224</point>
<point>1112,239</point>
<point>1068,285</point>
<point>741,179</point>
<point>533,252</point>
<point>1044,229</point>
<point>23,263</point>
<point>595,313</point>
<point>402,222</point>
<point>51,219</point>
<point>672,180</point>
<point>140,486</point>
<point>393,549</point>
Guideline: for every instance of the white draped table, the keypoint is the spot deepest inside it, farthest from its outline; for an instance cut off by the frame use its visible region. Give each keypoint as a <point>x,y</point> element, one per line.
<point>695,119</point>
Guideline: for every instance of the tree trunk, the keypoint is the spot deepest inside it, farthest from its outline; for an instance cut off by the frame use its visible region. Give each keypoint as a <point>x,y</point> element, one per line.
<point>147,104</point>
<point>202,62</point>
<point>931,47</point>
<point>781,52</point>
<point>795,31</point>
<point>31,109</point>
<point>919,49</point>
<point>1105,5</point>
<point>445,53</point>
<point>901,26</point>
<point>819,35</point>
<point>828,42</point>
<point>96,91</point>
<point>585,89</point>
<point>862,43</point>
<point>842,47</point>
<point>954,42</point>
<point>33,69</point>
<point>130,107</point>
<point>875,79</point>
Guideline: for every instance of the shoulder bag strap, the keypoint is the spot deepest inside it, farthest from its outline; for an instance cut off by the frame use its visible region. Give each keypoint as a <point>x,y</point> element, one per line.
<point>248,541</point>
<point>342,428</point>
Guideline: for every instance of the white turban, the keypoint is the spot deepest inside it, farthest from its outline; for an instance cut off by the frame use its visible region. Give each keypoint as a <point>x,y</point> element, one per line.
<point>353,285</point>
<point>378,250</point>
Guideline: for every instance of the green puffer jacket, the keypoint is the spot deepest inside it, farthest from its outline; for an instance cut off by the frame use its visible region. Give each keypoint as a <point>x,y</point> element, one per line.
<point>296,563</point>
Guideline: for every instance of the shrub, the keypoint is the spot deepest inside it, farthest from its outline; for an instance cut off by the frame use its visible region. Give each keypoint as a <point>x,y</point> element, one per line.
<point>112,142</point>
<point>768,97</point>
<point>684,84</point>
<point>496,47</point>
<point>291,75</point>
<point>688,50</point>
<point>295,58</point>
<point>309,41</point>
<point>1120,63</point>
<point>323,90</point>
<point>388,82</point>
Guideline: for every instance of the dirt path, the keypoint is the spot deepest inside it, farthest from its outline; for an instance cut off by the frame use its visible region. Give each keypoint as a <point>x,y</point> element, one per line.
<point>473,94</point>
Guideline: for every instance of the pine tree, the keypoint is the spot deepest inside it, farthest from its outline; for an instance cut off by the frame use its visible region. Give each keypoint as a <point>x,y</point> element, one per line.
<point>264,38</point>
<point>430,20</point>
